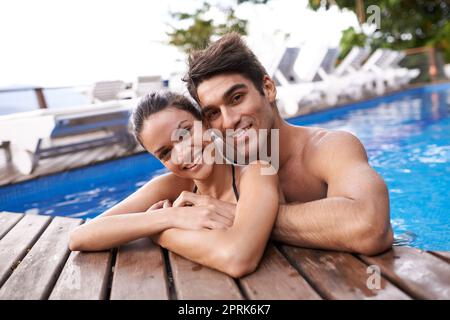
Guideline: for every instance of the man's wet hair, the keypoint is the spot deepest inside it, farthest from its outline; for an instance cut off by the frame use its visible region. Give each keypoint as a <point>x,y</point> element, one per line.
<point>227,55</point>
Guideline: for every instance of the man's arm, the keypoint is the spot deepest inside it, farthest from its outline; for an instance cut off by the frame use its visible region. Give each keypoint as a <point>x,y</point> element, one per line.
<point>237,250</point>
<point>355,215</point>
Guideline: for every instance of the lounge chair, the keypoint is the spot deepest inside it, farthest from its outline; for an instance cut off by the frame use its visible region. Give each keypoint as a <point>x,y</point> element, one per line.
<point>146,84</point>
<point>106,90</point>
<point>41,134</point>
<point>339,82</point>
<point>142,86</point>
<point>301,69</point>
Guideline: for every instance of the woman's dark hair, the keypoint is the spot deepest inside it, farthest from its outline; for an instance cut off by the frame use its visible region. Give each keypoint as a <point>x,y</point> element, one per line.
<point>158,101</point>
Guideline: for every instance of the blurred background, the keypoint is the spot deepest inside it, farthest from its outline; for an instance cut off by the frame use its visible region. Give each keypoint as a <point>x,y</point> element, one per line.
<point>63,48</point>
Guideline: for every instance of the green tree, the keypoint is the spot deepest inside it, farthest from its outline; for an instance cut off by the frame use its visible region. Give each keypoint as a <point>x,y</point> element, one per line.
<point>200,30</point>
<point>404,24</point>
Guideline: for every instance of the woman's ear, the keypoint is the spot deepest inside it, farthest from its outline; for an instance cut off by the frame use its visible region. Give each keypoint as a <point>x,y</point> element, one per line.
<point>270,90</point>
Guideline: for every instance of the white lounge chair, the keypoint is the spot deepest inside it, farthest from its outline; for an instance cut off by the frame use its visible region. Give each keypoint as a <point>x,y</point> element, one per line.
<point>106,90</point>
<point>142,86</point>
<point>146,84</point>
<point>37,134</point>
<point>396,76</point>
<point>304,87</point>
<point>339,82</point>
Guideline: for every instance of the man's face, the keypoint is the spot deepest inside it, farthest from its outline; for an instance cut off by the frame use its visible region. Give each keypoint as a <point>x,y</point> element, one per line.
<point>231,101</point>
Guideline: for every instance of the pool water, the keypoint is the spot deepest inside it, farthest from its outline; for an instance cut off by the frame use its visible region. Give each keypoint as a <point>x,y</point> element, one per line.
<point>406,135</point>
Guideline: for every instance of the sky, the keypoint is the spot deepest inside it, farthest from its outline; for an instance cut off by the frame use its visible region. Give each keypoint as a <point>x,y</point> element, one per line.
<point>77,42</point>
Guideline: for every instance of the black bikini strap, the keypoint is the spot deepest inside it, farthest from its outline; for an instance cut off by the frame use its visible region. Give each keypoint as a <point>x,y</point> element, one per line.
<point>195,189</point>
<point>236,193</point>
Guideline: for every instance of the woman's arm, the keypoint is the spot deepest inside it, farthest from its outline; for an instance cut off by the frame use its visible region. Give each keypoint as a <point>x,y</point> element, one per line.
<point>238,249</point>
<point>167,186</point>
<point>111,231</point>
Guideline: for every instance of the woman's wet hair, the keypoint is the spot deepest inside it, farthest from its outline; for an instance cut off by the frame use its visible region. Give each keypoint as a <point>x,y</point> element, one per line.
<point>158,101</point>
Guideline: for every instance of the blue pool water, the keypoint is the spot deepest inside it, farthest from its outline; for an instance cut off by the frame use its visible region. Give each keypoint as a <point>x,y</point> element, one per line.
<point>407,137</point>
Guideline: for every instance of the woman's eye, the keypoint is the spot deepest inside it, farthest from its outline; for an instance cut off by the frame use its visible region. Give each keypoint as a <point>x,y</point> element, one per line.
<point>164,154</point>
<point>183,133</point>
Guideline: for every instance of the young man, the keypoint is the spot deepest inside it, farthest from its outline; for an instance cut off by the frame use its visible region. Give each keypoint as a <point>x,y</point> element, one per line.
<point>335,199</point>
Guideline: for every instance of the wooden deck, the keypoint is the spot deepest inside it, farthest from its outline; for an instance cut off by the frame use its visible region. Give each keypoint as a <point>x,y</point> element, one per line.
<point>35,263</point>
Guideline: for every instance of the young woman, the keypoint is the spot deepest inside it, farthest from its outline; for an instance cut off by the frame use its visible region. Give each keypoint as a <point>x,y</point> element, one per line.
<point>231,241</point>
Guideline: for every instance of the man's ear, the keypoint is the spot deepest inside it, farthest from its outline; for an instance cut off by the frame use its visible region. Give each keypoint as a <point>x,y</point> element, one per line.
<point>270,90</point>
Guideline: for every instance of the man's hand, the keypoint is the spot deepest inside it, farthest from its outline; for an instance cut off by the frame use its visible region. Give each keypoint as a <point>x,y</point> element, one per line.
<point>159,205</point>
<point>225,209</point>
<point>201,216</point>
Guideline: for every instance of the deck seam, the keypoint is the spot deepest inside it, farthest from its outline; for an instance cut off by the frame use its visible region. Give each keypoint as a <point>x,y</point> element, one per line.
<point>386,277</point>
<point>109,282</point>
<point>300,271</point>
<point>9,229</point>
<point>57,273</point>
<point>169,275</point>
<point>20,258</point>
<point>241,289</point>
<point>437,255</point>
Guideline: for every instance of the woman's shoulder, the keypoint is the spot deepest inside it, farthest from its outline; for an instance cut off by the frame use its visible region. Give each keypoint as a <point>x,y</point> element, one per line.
<point>169,180</point>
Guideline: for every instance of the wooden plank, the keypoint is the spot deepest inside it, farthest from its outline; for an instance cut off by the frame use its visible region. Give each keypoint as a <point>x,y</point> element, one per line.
<point>15,244</point>
<point>84,277</point>
<point>285,282</point>
<point>7,221</point>
<point>139,272</point>
<point>37,273</point>
<point>444,255</point>
<point>196,282</point>
<point>338,275</point>
<point>419,273</point>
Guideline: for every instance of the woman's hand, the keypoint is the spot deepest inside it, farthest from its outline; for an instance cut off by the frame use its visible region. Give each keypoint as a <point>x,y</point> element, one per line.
<point>225,209</point>
<point>193,218</point>
<point>159,205</point>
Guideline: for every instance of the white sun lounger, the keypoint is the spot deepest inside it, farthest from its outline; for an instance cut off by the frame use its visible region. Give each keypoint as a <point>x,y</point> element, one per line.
<point>339,81</point>
<point>303,73</point>
<point>106,90</point>
<point>38,134</point>
<point>142,86</point>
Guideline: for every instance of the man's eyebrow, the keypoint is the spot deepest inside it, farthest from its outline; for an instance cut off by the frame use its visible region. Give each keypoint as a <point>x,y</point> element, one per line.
<point>227,94</point>
<point>235,87</point>
<point>178,127</point>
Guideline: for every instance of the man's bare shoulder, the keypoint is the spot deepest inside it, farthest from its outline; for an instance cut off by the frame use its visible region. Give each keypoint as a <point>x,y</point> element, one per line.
<point>326,148</point>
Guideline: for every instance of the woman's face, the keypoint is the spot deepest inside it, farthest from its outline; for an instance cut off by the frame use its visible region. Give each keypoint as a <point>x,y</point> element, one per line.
<point>184,156</point>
